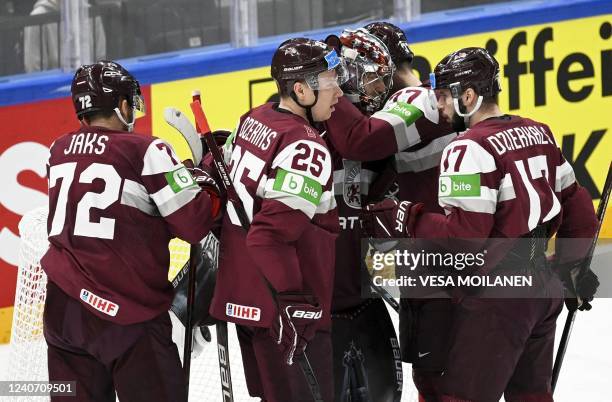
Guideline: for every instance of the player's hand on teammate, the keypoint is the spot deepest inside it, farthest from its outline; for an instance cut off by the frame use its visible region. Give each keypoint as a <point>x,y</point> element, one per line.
<point>296,324</point>
<point>204,178</point>
<point>390,219</point>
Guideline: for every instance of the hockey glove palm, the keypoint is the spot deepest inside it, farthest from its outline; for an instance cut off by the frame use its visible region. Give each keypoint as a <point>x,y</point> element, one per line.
<point>296,324</point>
<point>390,219</point>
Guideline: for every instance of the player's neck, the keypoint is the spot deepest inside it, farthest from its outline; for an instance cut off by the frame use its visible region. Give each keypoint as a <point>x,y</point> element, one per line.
<point>290,105</point>
<point>407,78</point>
<point>110,123</point>
<point>485,111</point>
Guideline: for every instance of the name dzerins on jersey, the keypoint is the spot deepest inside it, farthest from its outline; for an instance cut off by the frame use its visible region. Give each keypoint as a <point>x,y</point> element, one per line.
<point>257,133</point>
<point>518,138</point>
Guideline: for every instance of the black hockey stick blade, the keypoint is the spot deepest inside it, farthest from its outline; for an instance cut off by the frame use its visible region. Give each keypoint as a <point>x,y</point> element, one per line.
<point>194,252</point>
<point>224,363</point>
<point>311,379</point>
<point>571,315</point>
<point>386,296</point>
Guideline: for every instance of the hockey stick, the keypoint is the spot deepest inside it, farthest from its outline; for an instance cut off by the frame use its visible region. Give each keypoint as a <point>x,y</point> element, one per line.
<point>179,121</point>
<point>232,196</point>
<point>571,315</point>
<point>225,372</point>
<point>194,251</point>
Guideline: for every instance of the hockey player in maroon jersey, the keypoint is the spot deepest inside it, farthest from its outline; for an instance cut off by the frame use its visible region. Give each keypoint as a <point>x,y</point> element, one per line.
<point>409,122</point>
<point>422,321</point>
<point>366,350</point>
<point>115,200</point>
<point>526,190</point>
<point>275,281</point>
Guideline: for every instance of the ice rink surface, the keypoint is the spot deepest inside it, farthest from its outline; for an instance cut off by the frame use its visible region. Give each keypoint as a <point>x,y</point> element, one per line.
<point>587,368</point>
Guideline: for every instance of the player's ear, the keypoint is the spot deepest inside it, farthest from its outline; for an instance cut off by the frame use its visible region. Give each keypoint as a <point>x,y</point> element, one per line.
<point>124,106</point>
<point>300,89</point>
<point>469,97</point>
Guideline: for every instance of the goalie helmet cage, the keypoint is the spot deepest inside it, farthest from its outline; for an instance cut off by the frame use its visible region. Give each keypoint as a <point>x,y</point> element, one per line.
<point>28,350</point>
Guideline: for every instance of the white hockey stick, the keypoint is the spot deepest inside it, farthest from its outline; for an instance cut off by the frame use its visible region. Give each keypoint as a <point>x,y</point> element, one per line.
<point>181,123</point>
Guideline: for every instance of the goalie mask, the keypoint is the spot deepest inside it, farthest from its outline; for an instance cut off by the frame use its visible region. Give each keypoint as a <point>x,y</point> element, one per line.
<point>101,86</point>
<point>370,69</point>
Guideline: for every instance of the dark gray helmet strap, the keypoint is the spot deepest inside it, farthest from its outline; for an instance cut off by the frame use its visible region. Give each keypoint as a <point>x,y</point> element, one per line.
<point>308,108</point>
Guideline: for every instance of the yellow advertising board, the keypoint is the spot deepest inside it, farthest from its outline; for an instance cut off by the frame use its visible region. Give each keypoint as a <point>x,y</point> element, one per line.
<point>559,73</point>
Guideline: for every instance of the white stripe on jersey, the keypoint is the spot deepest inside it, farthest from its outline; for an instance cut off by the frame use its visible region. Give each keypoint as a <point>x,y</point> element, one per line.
<point>476,159</point>
<point>556,208</point>
<point>261,186</point>
<point>168,201</point>
<point>506,189</point>
<point>565,177</point>
<point>425,101</point>
<point>327,203</point>
<point>425,158</point>
<point>157,159</point>
<point>486,203</point>
<point>405,136</point>
<point>135,195</point>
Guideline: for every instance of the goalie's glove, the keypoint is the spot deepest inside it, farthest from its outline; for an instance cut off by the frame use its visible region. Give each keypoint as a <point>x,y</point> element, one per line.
<point>207,183</point>
<point>390,219</point>
<point>296,323</point>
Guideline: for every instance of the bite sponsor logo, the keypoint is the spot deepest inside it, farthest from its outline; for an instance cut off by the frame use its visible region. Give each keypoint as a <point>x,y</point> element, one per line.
<point>180,179</point>
<point>243,312</point>
<point>293,183</point>
<point>302,186</point>
<point>406,111</point>
<point>460,185</point>
<point>102,305</point>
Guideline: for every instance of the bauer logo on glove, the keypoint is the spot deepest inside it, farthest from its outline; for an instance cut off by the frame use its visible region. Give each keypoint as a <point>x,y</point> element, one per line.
<point>390,219</point>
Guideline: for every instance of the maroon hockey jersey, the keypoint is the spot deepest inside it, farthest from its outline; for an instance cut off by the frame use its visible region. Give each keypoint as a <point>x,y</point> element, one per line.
<point>281,169</point>
<point>408,123</point>
<point>502,178</point>
<point>115,201</point>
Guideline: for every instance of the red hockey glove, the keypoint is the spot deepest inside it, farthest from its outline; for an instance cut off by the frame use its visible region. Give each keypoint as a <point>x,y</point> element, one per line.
<point>295,326</point>
<point>207,183</point>
<point>389,219</point>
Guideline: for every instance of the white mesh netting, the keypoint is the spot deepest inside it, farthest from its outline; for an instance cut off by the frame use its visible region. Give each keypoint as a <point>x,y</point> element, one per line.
<point>28,348</point>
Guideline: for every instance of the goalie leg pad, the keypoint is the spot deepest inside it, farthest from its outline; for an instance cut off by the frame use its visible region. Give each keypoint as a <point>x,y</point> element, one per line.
<point>367,361</point>
<point>206,278</point>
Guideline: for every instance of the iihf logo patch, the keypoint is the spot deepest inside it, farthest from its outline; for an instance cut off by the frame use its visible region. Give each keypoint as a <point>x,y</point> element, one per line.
<point>102,305</point>
<point>243,312</point>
